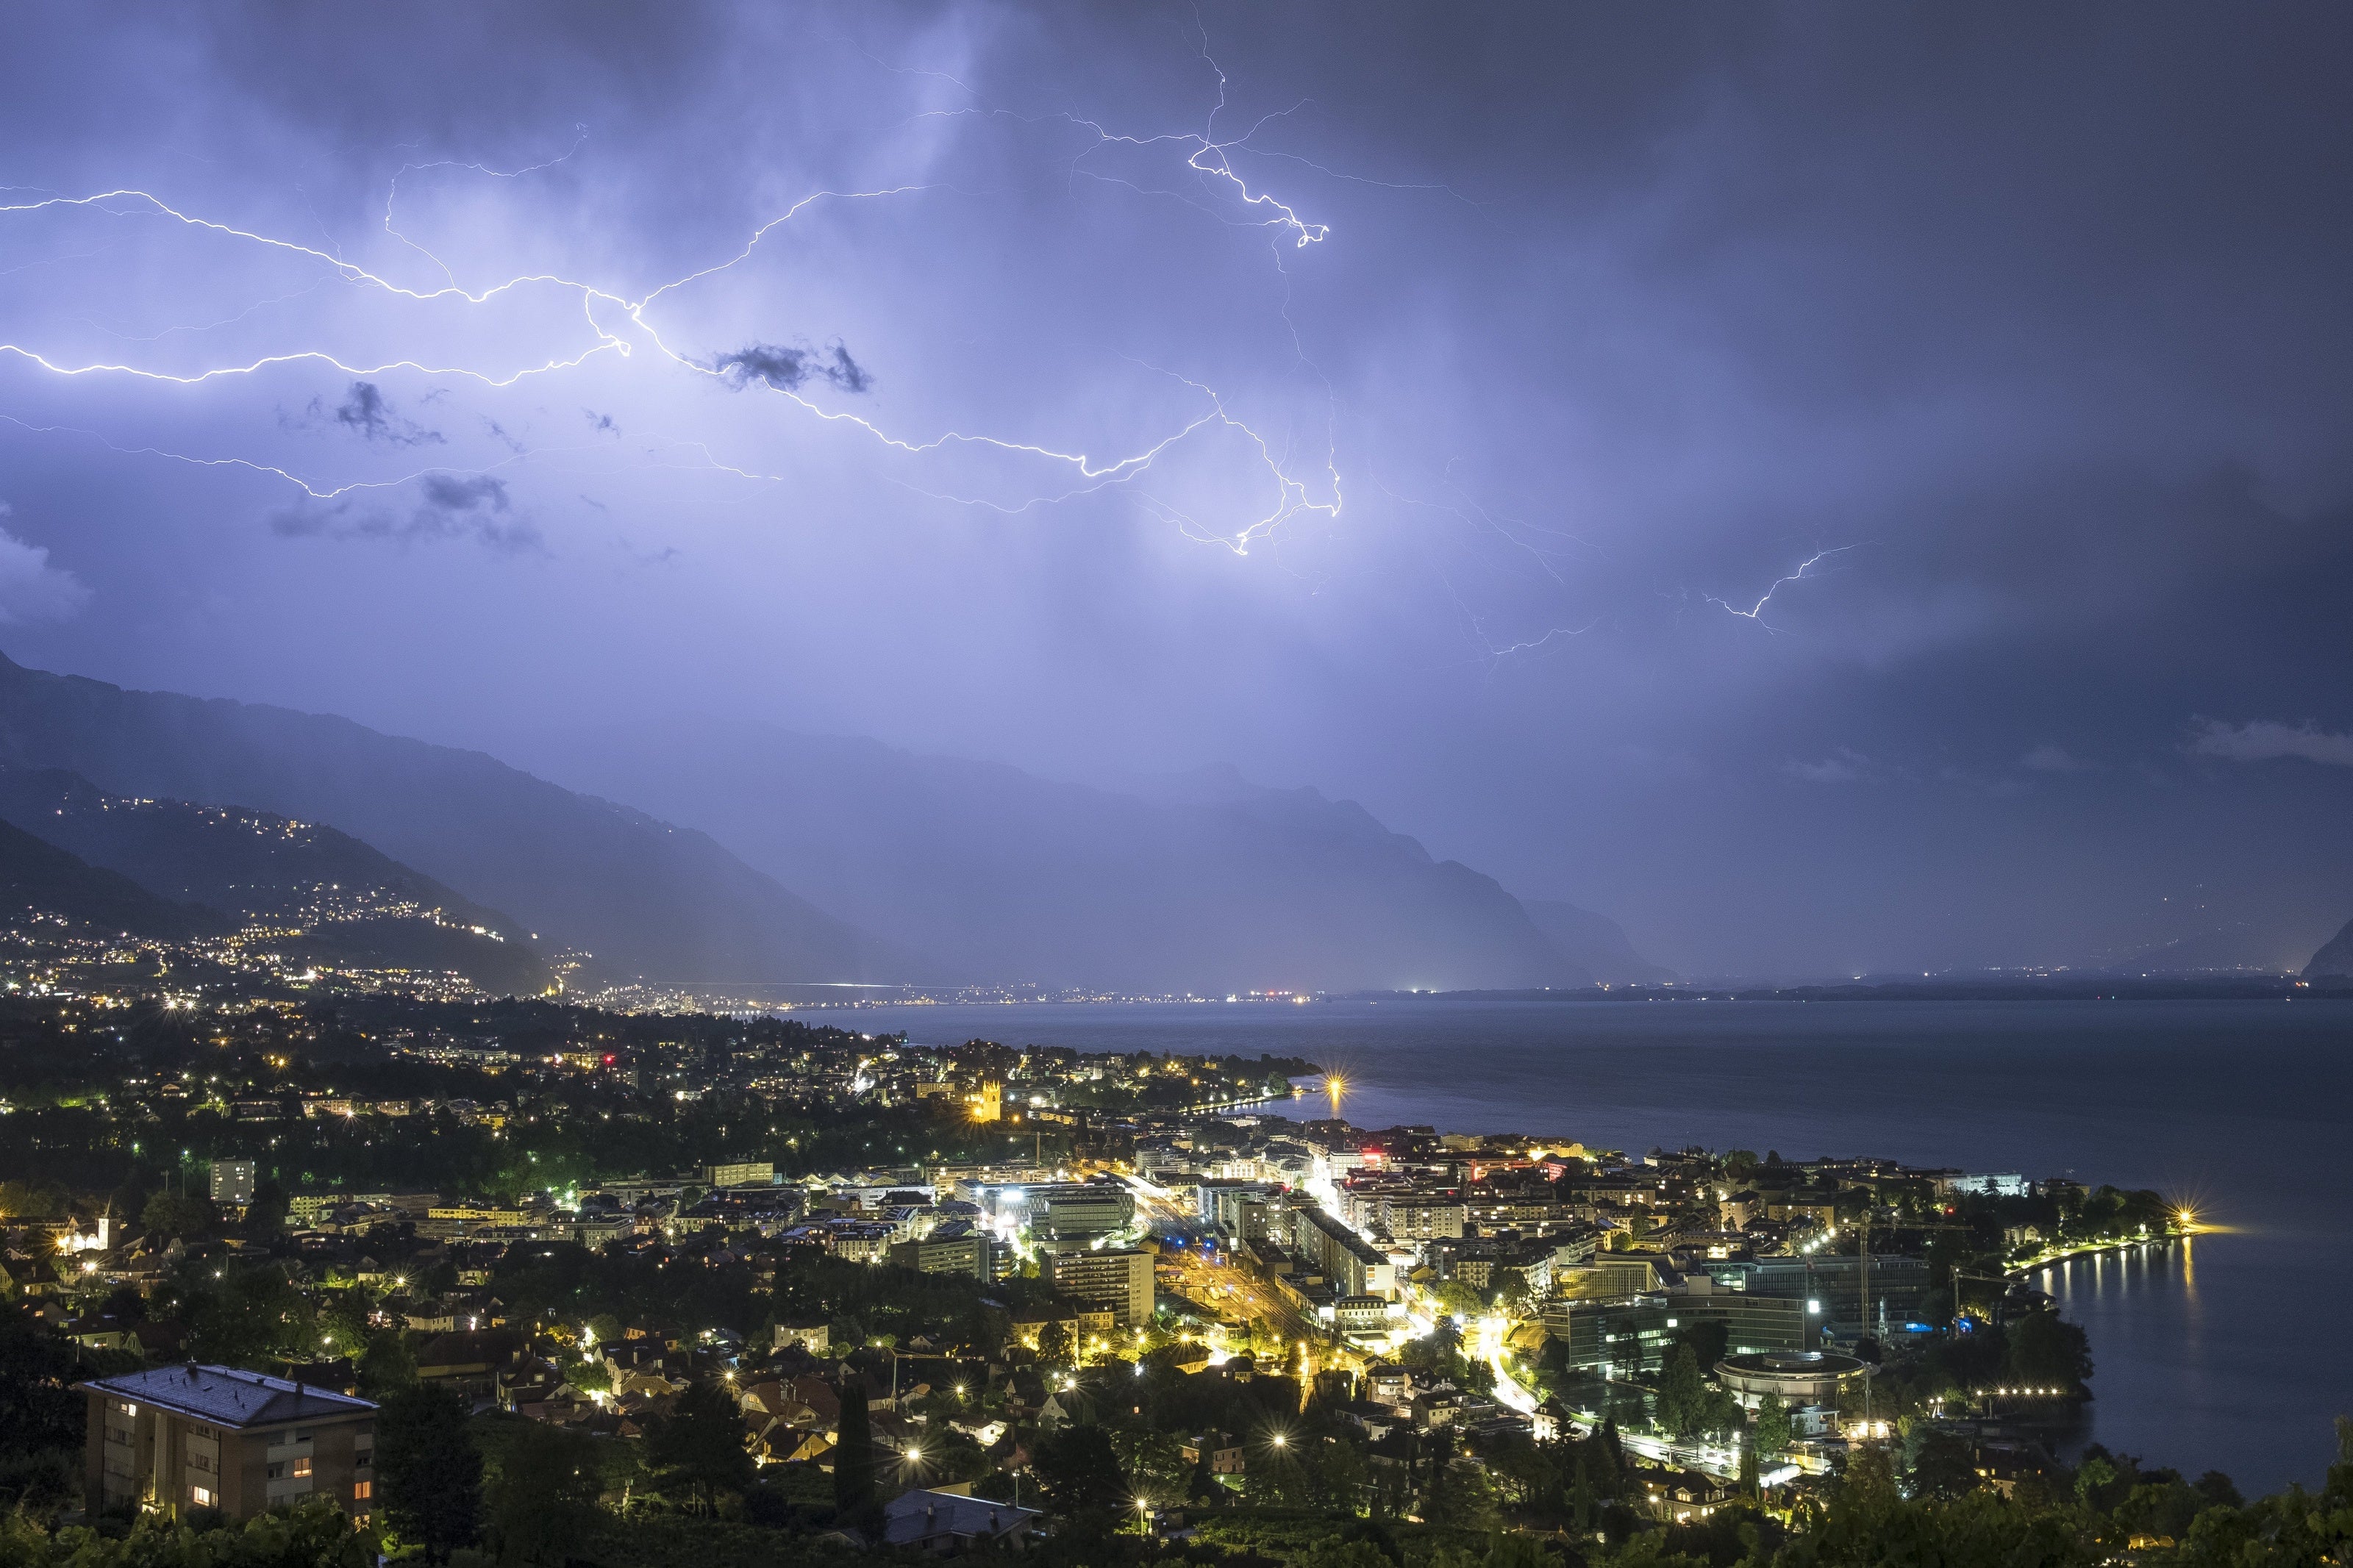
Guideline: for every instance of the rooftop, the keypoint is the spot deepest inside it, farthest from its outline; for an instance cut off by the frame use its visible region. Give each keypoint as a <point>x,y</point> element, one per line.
<point>918,1516</point>
<point>228,1397</point>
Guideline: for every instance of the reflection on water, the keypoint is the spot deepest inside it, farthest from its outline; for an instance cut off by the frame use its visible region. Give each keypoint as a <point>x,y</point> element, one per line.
<point>2204,1366</point>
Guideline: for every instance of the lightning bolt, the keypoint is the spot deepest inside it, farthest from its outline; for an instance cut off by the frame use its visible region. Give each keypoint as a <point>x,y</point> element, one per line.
<point>1534,556</point>
<point>1755,611</point>
<point>618,324</point>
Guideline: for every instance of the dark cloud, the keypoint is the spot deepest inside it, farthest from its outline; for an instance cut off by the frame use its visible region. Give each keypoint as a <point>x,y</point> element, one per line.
<point>369,415</point>
<point>790,369</point>
<point>449,506</point>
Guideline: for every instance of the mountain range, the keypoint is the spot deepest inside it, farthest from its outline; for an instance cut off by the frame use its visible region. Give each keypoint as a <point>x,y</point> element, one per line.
<point>339,900</point>
<point>648,899</point>
<point>858,862</point>
<point>1201,881</point>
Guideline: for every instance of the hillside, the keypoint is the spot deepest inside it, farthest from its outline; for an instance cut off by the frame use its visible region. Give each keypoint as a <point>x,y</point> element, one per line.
<point>1202,883</point>
<point>352,904</point>
<point>1595,943</point>
<point>2335,957</point>
<point>648,899</point>
<point>36,878</point>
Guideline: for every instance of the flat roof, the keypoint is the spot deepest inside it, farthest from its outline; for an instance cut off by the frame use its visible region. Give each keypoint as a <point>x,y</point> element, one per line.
<point>228,1397</point>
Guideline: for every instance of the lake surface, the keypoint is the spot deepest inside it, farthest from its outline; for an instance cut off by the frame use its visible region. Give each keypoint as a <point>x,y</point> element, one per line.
<point>2229,1353</point>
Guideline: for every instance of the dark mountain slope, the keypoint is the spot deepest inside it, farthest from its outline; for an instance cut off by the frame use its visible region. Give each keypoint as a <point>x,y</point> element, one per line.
<point>2335,957</point>
<point>1595,943</point>
<point>353,904</point>
<point>39,878</point>
<point>1213,885</point>
<point>648,899</point>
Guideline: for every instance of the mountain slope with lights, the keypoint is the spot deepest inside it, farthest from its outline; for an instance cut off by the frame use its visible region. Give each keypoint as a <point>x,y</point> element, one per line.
<point>339,900</point>
<point>648,899</point>
<point>40,881</point>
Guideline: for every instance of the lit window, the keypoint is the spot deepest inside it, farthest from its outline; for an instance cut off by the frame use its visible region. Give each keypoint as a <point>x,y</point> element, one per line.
<point>201,1496</point>
<point>301,1468</point>
<point>361,1490</point>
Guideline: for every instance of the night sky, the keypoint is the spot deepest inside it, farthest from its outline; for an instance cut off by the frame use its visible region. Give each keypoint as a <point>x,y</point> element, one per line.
<point>1839,490</point>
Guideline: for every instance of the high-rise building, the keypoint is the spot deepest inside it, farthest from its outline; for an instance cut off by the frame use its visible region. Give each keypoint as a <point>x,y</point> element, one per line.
<point>1330,1248</point>
<point>1119,1282</point>
<point>232,1182</point>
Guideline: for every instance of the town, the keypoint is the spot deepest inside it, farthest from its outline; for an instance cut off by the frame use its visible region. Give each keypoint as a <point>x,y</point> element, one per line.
<point>563,1284</point>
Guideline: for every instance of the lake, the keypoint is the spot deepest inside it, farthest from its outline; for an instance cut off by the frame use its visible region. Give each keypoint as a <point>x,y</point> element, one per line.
<point>2225,1353</point>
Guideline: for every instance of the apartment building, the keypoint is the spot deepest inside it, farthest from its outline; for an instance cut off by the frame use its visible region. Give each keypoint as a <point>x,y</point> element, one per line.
<point>185,1439</point>
<point>1119,1282</point>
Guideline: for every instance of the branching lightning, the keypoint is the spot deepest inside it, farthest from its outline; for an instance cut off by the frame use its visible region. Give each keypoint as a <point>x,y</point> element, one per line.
<point>1755,611</point>
<point>618,323</point>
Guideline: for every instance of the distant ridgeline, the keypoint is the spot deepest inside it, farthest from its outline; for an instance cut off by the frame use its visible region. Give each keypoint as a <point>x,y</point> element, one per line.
<point>927,871</point>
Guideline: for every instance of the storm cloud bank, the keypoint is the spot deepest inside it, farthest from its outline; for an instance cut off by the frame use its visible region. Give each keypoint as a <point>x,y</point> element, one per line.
<point>1836,492</point>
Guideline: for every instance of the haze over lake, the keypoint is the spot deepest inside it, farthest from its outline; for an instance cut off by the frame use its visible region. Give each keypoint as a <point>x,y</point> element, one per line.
<point>2207,1357</point>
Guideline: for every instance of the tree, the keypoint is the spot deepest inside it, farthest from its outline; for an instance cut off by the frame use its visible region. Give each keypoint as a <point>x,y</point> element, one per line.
<point>542,1502</point>
<point>1340,1473</point>
<point>1682,1395</point>
<point>1939,1464</point>
<point>2094,1473</point>
<point>1332,1553</point>
<point>853,1459</point>
<point>1057,1345</point>
<point>1078,1471</point>
<point>1610,1474</point>
<point>1461,1300</point>
<point>1458,1495</point>
<point>428,1469</point>
<point>266,1216</point>
<point>1709,1342</point>
<point>1518,1551</point>
<point>2047,1351</point>
<point>177,1215</point>
<point>699,1444</point>
<point>386,1365</point>
<point>41,1416</point>
<point>1773,1434</point>
<point>250,1317</point>
<point>1719,1412</point>
<point>1154,1461</point>
<point>1751,1487</point>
